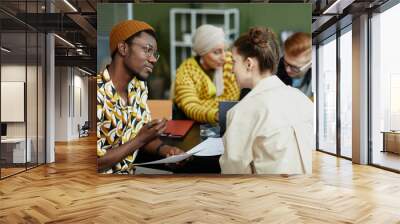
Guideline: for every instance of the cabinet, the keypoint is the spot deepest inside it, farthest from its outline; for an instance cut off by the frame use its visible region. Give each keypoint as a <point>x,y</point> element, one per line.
<point>391,141</point>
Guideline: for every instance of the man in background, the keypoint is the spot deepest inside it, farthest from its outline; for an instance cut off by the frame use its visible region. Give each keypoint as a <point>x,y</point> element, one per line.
<point>294,67</point>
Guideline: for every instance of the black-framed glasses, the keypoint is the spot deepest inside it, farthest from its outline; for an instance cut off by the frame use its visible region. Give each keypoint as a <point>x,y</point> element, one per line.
<point>149,50</point>
<point>296,68</point>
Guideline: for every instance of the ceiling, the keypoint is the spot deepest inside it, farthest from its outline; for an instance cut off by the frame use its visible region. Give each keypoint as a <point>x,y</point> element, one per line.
<point>330,15</point>
<point>72,20</point>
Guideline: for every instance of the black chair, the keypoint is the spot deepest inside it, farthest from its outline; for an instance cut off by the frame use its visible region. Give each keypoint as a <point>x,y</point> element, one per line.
<point>223,108</point>
<point>84,130</point>
<point>178,114</point>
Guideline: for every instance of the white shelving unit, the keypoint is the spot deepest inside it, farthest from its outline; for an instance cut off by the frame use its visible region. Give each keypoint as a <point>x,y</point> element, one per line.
<point>184,22</point>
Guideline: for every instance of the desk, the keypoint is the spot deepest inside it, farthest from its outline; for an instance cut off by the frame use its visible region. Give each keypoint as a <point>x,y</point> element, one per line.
<point>391,141</point>
<point>13,150</point>
<point>199,164</point>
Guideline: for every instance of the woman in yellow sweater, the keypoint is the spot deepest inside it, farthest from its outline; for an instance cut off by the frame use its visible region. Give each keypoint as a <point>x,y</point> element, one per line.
<point>204,80</point>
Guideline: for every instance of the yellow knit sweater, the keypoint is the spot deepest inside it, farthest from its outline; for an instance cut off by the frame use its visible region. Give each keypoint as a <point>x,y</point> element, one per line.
<point>195,92</point>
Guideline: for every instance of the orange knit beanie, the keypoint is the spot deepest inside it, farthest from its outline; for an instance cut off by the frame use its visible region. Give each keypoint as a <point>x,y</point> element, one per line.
<point>124,30</point>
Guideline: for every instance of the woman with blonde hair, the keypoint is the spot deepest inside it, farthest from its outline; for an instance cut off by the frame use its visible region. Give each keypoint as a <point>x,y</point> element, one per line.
<point>204,80</point>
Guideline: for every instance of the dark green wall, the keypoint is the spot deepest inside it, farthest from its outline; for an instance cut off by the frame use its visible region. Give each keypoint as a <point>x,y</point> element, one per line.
<point>276,16</point>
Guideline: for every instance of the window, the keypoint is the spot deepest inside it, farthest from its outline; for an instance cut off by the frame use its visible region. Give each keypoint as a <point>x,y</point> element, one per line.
<point>385,88</point>
<point>327,96</point>
<point>346,92</point>
<point>22,74</point>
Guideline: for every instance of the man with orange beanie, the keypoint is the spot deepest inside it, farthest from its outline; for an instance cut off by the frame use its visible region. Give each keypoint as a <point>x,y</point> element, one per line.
<point>124,125</point>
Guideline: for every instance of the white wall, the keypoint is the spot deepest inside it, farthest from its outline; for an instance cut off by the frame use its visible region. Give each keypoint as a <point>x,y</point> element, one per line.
<point>61,103</point>
<point>16,73</point>
<point>80,94</point>
<point>69,85</point>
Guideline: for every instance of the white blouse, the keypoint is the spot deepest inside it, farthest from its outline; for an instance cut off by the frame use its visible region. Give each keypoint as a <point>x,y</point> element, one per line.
<point>270,131</point>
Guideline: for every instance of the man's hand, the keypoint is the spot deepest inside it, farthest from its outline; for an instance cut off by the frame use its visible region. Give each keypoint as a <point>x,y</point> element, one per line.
<point>217,117</point>
<point>151,130</point>
<point>168,150</point>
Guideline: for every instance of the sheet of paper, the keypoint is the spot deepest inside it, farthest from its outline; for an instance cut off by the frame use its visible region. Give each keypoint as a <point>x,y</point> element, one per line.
<point>209,147</point>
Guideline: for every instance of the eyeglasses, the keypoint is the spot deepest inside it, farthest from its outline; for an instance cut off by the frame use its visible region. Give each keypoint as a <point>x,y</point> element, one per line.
<point>149,50</point>
<point>296,68</point>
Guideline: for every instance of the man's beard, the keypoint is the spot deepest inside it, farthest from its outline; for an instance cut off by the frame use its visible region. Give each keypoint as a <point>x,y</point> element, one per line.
<point>134,73</point>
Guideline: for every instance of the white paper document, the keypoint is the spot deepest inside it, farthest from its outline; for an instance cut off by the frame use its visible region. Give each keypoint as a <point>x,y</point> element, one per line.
<point>209,147</point>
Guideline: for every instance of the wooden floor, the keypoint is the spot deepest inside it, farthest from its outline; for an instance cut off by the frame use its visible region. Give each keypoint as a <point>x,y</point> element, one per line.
<point>387,159</point>
<point>10,171</point>
<point>70,191</point>
<point>5,172</point>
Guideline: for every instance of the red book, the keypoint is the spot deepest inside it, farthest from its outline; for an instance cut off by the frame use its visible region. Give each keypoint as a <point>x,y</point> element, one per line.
<point>178,128</point>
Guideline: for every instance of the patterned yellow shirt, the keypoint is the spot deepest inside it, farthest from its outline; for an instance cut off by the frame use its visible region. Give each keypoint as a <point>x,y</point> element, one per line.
<point>195,93</point>
<point>119,121</point>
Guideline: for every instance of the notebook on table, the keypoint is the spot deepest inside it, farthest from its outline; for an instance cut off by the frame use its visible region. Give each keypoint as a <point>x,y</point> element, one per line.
<point>177,128</point>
